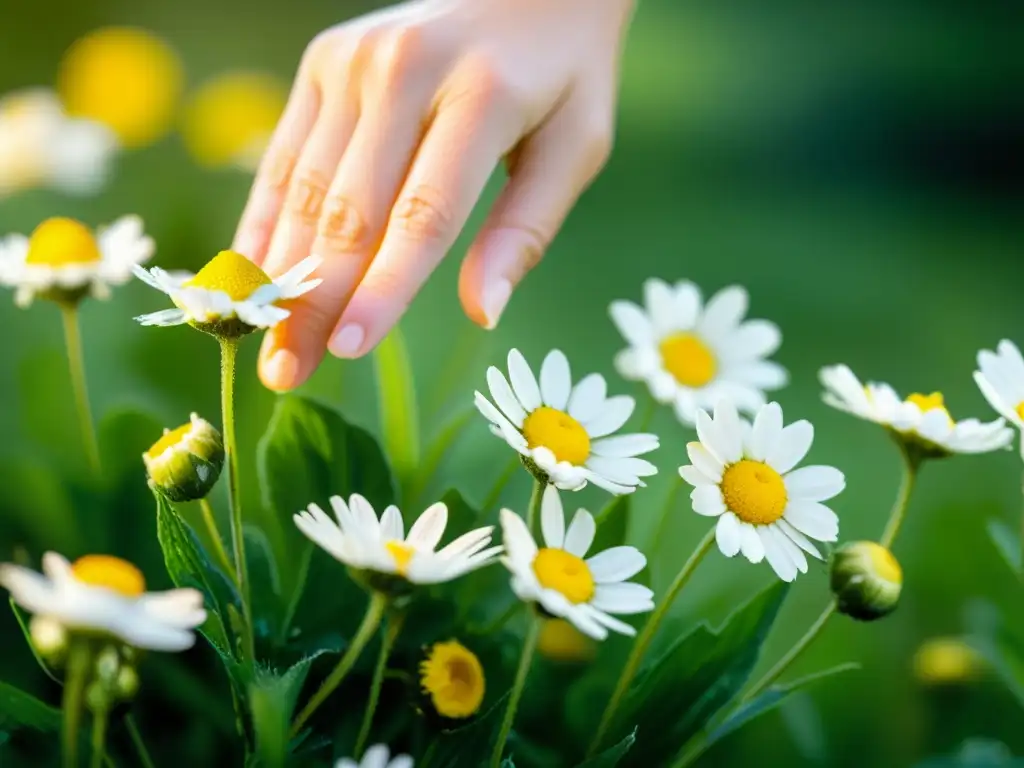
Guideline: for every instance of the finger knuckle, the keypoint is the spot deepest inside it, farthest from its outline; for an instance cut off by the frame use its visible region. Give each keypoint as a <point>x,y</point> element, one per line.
<point>342,227</point>
<point>399,53</point>
<point>485,83</point>
<point>423,214</point>
<point>277,168</point>
<point>319,50</point>
<point>306,195</point>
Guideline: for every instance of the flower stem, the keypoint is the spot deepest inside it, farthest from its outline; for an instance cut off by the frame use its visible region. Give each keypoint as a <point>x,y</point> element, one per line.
<point>372,619</point>
<point>394,626</point>
<point>228,356</point>
<point>140,746</point>
<point>899,508</point>
<point>497,622</point>
<point>533,511</point>
<point>218,542</point>
<point>499,485</point>
<point>99,738</point>
<point>642,643</point>
<point>649,408</point>
<point>525,659</point>
<point>79,659</point>
<point>76,366</point>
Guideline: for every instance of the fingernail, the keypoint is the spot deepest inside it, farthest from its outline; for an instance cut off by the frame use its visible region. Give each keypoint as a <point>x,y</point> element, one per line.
<point>347,341</point>
<point>281,371</point>
<point>496,296</point>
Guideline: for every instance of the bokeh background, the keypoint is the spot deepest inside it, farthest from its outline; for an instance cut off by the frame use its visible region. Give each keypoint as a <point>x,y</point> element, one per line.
<point>858,167</point>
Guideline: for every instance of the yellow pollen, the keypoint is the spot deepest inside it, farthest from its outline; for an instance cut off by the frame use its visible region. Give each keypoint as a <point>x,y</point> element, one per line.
<point>402,554</point>
<point>563,572</point>
<point>927,403</point>
<point>1020,409</point>
<point>453,677</point>
<point>754,492</point>
<point>232,273</point>
<point>58,242</point>
<point>558,432</point>
<point>170,438</point>
<point>688,359</point>
<point>110,572</point>
<point>884,563</point>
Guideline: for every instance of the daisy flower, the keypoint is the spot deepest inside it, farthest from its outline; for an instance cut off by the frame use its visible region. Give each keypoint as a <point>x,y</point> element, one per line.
<point>229,288</point>
<point>64,260</point>
<point>40,146</point>
<point>920,422</point>
<point>744,475</point>
<point>566,431</point>
<point>1001,381</point>
<point>691,356</point>
<point>556,576</point>
<point>362,542</point>
<point>377,756</point>
<point>104,594</point>
<point>453,677</point>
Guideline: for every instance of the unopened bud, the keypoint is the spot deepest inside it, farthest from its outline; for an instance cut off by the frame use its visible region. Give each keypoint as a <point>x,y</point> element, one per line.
<point>866,580</point>
<point>49,637</point>
<point>185,463</point>
<point>107,665</point>
<point>127,683</point>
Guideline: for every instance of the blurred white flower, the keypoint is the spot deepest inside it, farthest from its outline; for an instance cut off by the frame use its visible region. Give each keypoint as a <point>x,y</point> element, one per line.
<point>1001,381</point>
<point>377,756</point>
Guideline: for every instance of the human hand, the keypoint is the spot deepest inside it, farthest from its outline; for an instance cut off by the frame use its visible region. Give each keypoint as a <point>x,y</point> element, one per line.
<point>394,125</point>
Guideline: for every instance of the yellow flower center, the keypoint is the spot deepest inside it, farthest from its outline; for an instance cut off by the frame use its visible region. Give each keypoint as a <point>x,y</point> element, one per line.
<point>932,402</point>
<point>169,439</point>
<point>688,359</point>
<point>232,273</point>
<point>59,241</point>
<point>1020,409</point>
<point>754,491</point>
<point>110,572</point>
<point>563,572</point>
<point>453,677</point>
<point>560,641</point>
<point>558,432</point>
<point>885,565</point>
<point>401,553</point>
<point>125,78</point>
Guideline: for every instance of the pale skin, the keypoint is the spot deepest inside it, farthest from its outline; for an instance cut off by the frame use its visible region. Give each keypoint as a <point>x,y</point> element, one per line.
<point>395,123</point>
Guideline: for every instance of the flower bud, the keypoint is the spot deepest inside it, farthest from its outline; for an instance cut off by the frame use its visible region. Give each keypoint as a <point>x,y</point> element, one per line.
<point>108,664</point>
<point>866,580</point>
<point>127,683</point>
<point>49,637</point>
<point>185,463</point>
<point>560,641</point>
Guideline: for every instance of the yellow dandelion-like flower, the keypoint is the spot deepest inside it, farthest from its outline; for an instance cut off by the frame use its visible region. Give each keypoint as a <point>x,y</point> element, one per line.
<point>454,679</point>
<point>128,79</point>
<point>946,661</point>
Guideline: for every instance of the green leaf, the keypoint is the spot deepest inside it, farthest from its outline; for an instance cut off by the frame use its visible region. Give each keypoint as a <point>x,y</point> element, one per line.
<point>24,710</point>
<point>22,620</point>
<point>189,566</point>
<point>678,695</point>
<point>399,419</point>
<point>471,745</point>
<point>264,583</point>
<point>36,505</point>
<point>272,698</point>
<point>1004,650</point>
<point>436,452</point>
<point>611,756</point>
<point>1007,542</point>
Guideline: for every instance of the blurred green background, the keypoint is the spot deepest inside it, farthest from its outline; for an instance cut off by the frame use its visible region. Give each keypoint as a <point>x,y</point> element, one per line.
<point>857,167</point>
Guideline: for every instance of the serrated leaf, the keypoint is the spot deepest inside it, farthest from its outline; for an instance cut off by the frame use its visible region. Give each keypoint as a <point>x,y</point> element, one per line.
<point>1007,542</point>
<point>471,745</point>
<point>611,756</point>
<point>24,710</point>
<point>399,417</point>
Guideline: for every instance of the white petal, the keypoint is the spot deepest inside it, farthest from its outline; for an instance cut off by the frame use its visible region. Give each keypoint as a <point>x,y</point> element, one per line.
<point>555,380</point>
<point>504,397</point>
<point>523,382</point>
<point>750,543</point>
<point>391,525</point>
<point>632,323</point>
<point>695,477</point>
<point>814,483</point>
<point>624,599</point>
<point>763,374</point>
<point>798,538</point>
<point>792,445</point>
<point>164,317</point>
<point>616,564</point>
<point>659,299</point>
<point>30,590</point>
<point>587,397</point>
<point>376,757</point>
<point>687,305</point>
<point>704,461</point>
<point>365,517</point>
<point>729,431</point>
<point>766,431</point>
<point>813,519</point>
<point>518,541</point>
<point>707,500</point>
<point>793,552</point>
<point>552,518</point>
<point>580,535</point>
<point>427,531</point>
<point>727,534</point>
<point>614,413</point>
<point>723,312</point>
<point>754,338</point>
<point>622,446</point>
<point>775,553</point>
<point>605,620</point>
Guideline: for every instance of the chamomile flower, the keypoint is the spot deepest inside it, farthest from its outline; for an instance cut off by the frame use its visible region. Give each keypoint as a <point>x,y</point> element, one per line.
<point>184,463</point>
<point>1001,380</point>
<point>364,543</point>
<point>63,260</point>
<point>921,423</point>
<point>566,431</point>
<point>556,576</point>
<point>230,296</point>
<point>690,356</point>
<point>377,756</point>
<point>100,594</point>
<point>452,676</point>
<point>744,475</point>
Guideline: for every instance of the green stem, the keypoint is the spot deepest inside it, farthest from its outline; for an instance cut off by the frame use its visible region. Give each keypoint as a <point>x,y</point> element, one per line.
<point>499,621</point>
<point>643,641</point>
<point>140,746</point>
<point>499,485</point>
<point>649,409</point>
<point>228,357</point>
<point>525,659</point>
<point>76,365</point>
<point>99,738</point>
<point>218,542</point>
<point>436,451</point>
<point>79,661</point>
<point>911,464</point>
<point>372,619</point>
<point>536,497</point>
<point>394,626</point>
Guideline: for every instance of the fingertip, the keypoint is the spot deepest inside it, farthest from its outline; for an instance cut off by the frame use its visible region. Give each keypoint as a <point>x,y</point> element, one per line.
<point>280,366</point>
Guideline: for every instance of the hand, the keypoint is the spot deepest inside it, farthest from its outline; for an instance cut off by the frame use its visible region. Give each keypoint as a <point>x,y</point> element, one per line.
<point>394,125</point>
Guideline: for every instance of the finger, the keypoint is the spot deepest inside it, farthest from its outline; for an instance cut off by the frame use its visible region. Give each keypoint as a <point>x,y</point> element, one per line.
<point>551,170</point>
<point>452,166</point>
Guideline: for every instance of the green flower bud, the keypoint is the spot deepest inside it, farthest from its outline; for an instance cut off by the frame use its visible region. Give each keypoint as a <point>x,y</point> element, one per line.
<point>127,683</point>
<point>185,463</point>
<point>108,664</point>
<point>49,638</point>
<point>866,580</point>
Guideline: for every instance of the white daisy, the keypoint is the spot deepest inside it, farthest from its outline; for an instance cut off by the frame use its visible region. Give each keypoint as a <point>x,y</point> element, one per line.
<point>377,756</point>
<point>557,577</point>
<point>692,356</point>
<point>565,430</point>
<point>361,541</point>
<point>744,475</point>
<point>40,146</point>
<point>919,421</point>
<point>104,594</point>
<point>64,260</point>
<point>228,287</point>
<point>1001,381</point>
